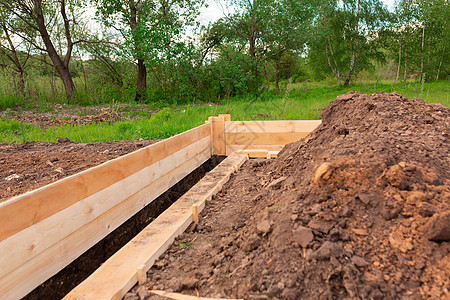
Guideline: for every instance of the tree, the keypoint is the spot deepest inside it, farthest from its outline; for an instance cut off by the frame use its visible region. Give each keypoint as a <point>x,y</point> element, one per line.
<point>11,50</point>
<point>422,29</point>
<point>266,29</point>
<point>345,35</point>
<point>149,30</point>
<point>40,18</point>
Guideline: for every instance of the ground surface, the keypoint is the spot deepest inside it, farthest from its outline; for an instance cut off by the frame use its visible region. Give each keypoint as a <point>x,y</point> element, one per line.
<point>27,166</point>
<point>359,209</point>
<point>57,114</point>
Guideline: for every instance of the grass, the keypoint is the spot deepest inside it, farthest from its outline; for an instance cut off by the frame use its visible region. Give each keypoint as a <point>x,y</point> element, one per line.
<point>302,101</point>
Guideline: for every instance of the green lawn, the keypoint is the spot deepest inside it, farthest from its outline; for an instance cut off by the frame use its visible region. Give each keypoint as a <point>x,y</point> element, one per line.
<point>302,101</point>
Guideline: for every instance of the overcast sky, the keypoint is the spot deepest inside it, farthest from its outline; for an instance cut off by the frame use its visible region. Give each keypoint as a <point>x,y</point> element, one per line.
<point>214,12</point>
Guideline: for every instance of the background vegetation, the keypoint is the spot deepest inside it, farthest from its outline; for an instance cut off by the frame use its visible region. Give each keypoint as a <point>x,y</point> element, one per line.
<point>265,59</point>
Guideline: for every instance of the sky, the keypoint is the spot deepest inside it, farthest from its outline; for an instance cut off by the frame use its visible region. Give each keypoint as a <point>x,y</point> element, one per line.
<point>214,12</point>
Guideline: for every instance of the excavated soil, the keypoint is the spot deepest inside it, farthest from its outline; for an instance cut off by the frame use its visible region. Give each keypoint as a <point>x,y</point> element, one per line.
<point>28,166</point>
<point>358,209</point>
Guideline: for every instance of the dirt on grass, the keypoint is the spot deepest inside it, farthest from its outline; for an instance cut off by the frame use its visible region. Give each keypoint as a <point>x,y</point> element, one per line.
<point>358,209</point>
<point>31,165</point>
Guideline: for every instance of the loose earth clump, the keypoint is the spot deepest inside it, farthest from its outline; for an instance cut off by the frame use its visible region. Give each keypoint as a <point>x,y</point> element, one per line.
<point>358,209</point>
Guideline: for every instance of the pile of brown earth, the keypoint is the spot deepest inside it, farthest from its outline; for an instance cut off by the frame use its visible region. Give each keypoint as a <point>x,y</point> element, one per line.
<point>48,120</point>
<point>358,209</point>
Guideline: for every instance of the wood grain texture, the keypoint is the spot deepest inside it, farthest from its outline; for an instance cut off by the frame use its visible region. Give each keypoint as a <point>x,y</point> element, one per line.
<point>29,275</point>
<point>177,296</point>
<point>35,239</point>
<point>39,204</point>
<point>264,138</point>
<point>119,273</point>
<point>218,134</point>
<point>271,126</point>
<point>233,148</point>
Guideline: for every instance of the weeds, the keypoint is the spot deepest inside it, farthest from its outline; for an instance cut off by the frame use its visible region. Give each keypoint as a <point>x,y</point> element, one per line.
<point>299,101</point>
<point>185,245</point>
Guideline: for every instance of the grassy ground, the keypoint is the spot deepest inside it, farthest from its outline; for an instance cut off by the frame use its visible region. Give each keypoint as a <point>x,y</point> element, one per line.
<point>302,101</point>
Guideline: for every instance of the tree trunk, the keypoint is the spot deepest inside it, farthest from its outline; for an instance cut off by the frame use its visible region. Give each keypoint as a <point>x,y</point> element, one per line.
<point>399,61</point>
<point>335,69</point>
<point>141,83</point>
<point>21,83</point>
<point>355,46</point>
<point>277,76</point>
<point>252,37</point>
<point>60,67</point>
<point>423,43</point>
<point>440,64</point>
<point>141,80</point>
<point>406,60</point>
<point>15,59</point>
<point>429,71</point>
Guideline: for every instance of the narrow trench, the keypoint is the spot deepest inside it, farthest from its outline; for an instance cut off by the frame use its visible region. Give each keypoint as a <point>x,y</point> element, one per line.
<point>65,280</point>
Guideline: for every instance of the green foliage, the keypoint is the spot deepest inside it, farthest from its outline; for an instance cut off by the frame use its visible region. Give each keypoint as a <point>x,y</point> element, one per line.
<point>296,101</point>
<point>185,245</point>
<point>10,101</point>
<point>239,56</point>
<point>231,74</point>
<point>345,30</point>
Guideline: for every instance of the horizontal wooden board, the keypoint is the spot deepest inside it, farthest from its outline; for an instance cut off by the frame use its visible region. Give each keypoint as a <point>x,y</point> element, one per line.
<point>26,277</point>
<point>37,238</point>
<point>233,148</point>
<point>177,296</point>
<point>263,138</point>
<point>271,126</point>
<point>254,153</point>
<point>258,153</point>
<point>119,273</point>
<point>39,204</point>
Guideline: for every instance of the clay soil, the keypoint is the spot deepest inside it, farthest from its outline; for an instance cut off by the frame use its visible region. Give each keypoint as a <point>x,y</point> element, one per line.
<point>28,166</point>
<point>358,209</point>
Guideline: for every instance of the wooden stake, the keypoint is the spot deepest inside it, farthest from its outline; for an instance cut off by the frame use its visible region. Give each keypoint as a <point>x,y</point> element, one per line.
<point>177,296</point>
<point>142,274</point>
<point>195,213</point>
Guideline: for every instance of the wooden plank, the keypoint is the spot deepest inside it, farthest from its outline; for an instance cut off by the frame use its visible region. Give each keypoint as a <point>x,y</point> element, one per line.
<point>272,126</point>
<point>218,134</point>
<point>233,148</point>
<point>118,274</point>
<point>255,153</point>
<point>26,277</point>
<point>177,296</point>
<point>39,204</point>
<point>141,274</point>
<point>37,238</point>
<point>226,117</point>
<point>263,138</point>
<point>258,153</point>
<point>272,154</point>
<point>195,213</point>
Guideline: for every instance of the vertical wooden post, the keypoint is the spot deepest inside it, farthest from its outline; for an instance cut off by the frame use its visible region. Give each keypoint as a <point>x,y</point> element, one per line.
<point>195,213</point>
<point>218,133</point>
<point>142,274</point>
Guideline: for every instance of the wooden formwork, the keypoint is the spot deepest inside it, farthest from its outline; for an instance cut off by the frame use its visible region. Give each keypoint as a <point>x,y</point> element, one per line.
<point>257,138</point>
<point>43,231</point>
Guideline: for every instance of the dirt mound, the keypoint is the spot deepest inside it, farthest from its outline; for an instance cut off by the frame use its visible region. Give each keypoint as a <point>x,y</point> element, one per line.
<point>31,165</point>
<point>49,120</point>
<point>359,209</point>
